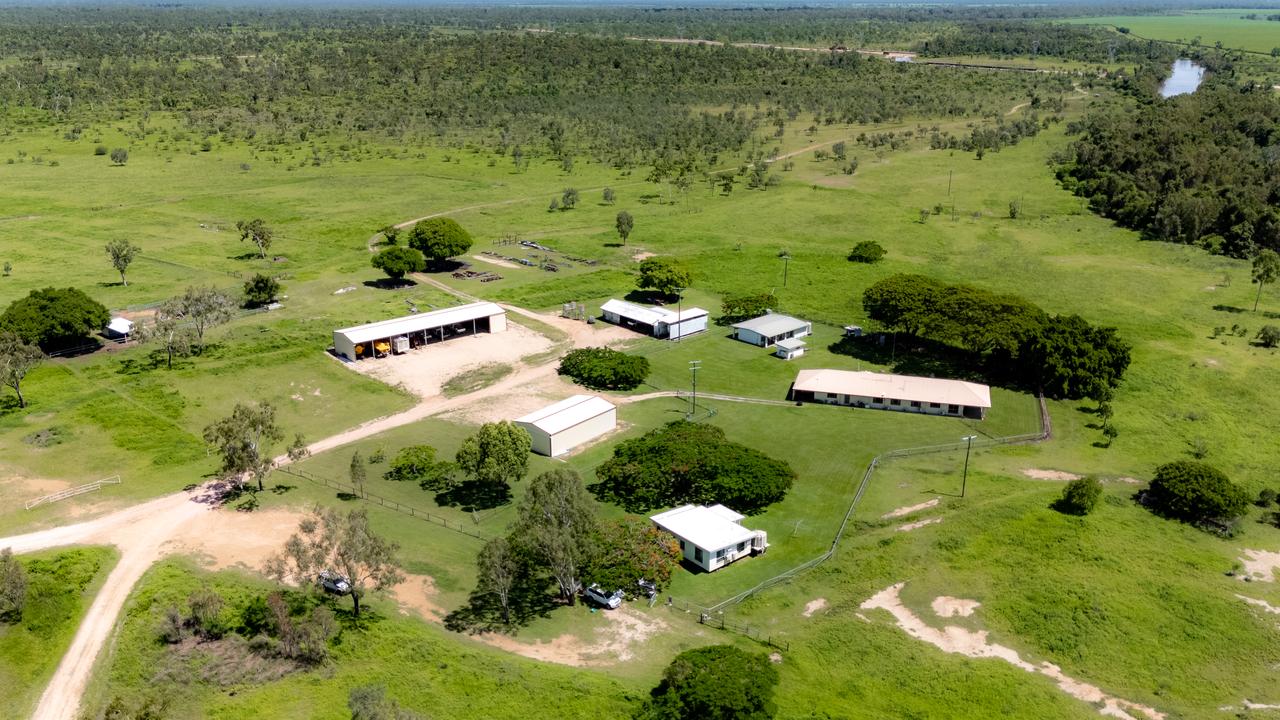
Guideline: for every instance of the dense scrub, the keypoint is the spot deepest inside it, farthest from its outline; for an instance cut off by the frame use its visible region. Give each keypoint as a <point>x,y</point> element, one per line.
<point>1197,168</point>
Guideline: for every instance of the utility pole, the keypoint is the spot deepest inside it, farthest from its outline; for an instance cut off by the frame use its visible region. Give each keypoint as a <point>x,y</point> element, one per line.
<point>949,174</point>
<point>679,313</point>
<point>786,263</point>
<point>694,366</point>
<point>968,448</point>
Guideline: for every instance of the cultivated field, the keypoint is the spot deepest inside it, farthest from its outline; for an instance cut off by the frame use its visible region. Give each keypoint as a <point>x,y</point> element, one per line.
<point>1225,25</point>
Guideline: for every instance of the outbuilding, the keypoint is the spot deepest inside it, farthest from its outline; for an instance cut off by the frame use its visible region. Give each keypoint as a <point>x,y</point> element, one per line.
<point>656,321</point>
<point>711,537</point>
<point>119,328</point>
<point>557,429</point>
<point>400,335</point>
<point>769,328</point>
<point>884,391</point>
<point>789,349</point>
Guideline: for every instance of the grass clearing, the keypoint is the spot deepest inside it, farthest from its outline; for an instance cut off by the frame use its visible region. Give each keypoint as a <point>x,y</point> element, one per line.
<point>60,586</point>
<point>1225,25</point>
<point>475,379</point>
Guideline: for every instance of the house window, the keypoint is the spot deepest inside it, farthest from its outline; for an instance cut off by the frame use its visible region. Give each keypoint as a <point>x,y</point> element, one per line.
<point>742,546</point>
<point>935,405</point>
<point>878,401</point>
<point>697,554</point>
<point>953,409</point>
<point>682,546</point>
<point>895,401</point>
<point>720,554</point>
<point>915,404</point>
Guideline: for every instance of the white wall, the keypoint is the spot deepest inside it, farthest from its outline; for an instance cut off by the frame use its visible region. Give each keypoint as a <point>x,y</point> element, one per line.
<point>904,406</point>
<point>498,323</point>
<point>688,327</point>
<point>570,438</point>
<point>343,346</point>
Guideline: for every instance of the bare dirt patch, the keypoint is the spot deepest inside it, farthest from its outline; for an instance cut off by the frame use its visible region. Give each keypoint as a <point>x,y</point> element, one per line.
<point>225,538</point>
<point>424,370</point>
<point>908,509</point>
<point>1054,475</point>
<point>834,181</point>
<point>417,593</point>
<point>944,606</point>
<point>1266,606</point>
<point>496,261</point>
<point>642,256</point>
<point>973,643</point>
<point>611,644</point>
<point>908,527</point>
<point>1259,565</point>
<point>814,606</point>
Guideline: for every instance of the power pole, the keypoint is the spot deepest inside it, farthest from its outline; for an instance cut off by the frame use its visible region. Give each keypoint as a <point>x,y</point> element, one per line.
<point>949,174</point>
<point>968,448</point>
<point>694,366</point>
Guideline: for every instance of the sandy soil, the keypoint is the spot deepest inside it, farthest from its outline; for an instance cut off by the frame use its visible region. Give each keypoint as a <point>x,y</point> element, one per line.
<point>642,256</point>
<point>814,606</point>
<point>1038,474</point>
<point>1259,565</point>
<point>423,371</point>
<point>1266,606</point>
<point>20,488</point>
<point>944,606</point>
<point>908,509</point>
<point>235,539</point>
<point>417,593</point>
<point>908,527</point>
<point>971,643</point>
<point>611,644</point>
<point>496,261</point>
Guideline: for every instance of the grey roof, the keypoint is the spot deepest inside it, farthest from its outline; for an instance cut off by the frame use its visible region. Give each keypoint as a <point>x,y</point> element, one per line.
<point>772,324</point>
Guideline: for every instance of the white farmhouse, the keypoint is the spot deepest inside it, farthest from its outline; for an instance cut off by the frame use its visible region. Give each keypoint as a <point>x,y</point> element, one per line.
<point>883,391</point>
<point>711,537</point>
<point>770,328</point>
<point>400,335</point>
<point>656,321</point>
<point>557,429</point>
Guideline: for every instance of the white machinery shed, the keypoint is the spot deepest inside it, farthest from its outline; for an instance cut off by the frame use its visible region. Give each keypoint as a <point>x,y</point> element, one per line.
<point>711,537</point>
<point>405,333</point>
<point>557,429</point>
<point>657,321</point>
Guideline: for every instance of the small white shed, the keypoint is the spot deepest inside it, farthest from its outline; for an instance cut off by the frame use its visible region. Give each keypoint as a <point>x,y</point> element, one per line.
<point>119,328</point>
<point>559,428</point>
<point>711,537</point>
<point>657,321</point>
<point>789,349</point>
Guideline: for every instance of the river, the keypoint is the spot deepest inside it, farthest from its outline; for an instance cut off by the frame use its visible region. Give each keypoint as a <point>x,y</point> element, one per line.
<point>1186,77</point>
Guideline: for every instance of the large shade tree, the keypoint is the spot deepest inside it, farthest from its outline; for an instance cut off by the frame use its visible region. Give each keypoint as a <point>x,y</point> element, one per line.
<point>244,441</point>
<point>720,682</point>
<point>439,239</point>
<point>55,318</point>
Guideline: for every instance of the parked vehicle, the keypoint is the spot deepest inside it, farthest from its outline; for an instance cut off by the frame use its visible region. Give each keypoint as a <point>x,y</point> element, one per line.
<point>648,588</point>
<point>597,595</point>
<point>334,583</point>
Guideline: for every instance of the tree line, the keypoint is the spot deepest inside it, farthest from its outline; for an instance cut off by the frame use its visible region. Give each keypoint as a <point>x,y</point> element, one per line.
<point>1005,338</point>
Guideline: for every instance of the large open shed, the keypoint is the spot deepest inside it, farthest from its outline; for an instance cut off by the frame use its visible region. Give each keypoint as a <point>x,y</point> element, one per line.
<point>403,334</point>
<point>659,322</point>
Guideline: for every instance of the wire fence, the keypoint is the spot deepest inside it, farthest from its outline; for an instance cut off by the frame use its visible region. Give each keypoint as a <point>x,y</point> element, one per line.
<point>1046,431</point>
<point>399,507</point>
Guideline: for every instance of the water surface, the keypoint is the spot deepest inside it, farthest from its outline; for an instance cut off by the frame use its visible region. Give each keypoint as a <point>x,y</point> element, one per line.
<point>1186,77</point>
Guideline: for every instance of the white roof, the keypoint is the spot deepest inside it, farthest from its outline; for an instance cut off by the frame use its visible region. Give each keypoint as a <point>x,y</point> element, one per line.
<point>120,325</point>
<point>651,315</point>
<point>772,324</point>
<point>901,387</point>
<point>567,413</point>
<point>710,528</point>
<point>790,344</point>
<point>420,321</point>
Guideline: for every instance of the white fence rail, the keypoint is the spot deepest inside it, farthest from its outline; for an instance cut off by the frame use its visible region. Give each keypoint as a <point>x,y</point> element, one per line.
<point>72,492</point>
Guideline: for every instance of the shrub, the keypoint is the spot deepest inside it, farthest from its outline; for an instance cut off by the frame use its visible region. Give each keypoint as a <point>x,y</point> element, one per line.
<point>100,150</point>
<point>260,290</point>
<point>720,682</point>
<point>867,251</point>
<point>119,156</point>
<point>1194,492</point>
<point>686,462</point>
<point>417,463</point>
<point>739,307</point>
<point>1269,336</point>
<point>1266,498</point>
<point>1080,496</point>
<point>604,368</point>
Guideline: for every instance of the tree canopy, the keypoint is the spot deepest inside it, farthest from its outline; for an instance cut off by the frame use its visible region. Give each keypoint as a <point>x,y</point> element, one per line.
<point>55,318</point>
<point>604,368</point>
<point>398,261</point>
<point>418,463</point>
<point>663,275</point>
<point>498,454</point>
<point>685,462</point>
<point>439,239</point>
<point>17,358</point>
<point>867,251</point>
<point>719,682</point>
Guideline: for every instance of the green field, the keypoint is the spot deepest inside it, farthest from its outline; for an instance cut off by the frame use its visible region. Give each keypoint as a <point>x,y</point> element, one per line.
<point>1121,599</point>
<point>1224,25</point>
<point>60,586</point>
